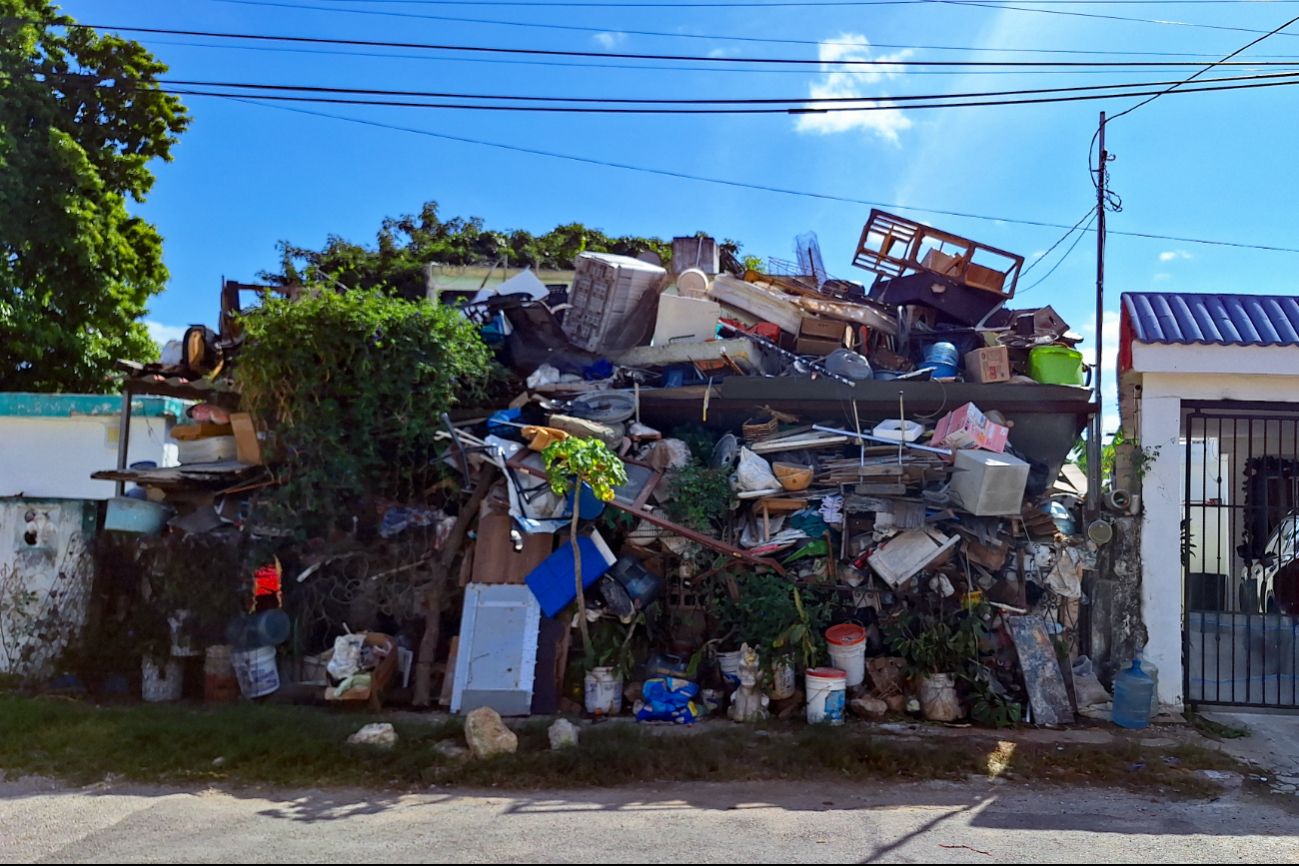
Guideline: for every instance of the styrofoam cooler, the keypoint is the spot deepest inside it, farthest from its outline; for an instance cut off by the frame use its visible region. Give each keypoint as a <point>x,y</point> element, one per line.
<point>988,484</point>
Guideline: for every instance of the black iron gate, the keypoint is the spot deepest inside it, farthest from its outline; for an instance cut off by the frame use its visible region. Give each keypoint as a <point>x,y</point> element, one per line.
<point>1240,554</point>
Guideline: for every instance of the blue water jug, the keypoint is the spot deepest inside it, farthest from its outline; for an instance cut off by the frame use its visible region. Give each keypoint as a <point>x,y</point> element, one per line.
<point>1133,692</point>
<point>942,358</point>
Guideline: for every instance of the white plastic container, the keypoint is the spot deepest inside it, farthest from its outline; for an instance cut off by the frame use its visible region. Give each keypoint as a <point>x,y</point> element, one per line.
<point>730,665</point>
<point>160,683</point>
<point>256,671</point>
<point>692,283</point>
<point>847,645</point>
<point>826,690</point>
<point>782,680</point>
<point>603,692</point>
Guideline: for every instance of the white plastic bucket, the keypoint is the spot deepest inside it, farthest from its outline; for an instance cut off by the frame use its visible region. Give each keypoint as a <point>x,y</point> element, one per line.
<point>730,665</point>
<point>160,683</point>
<point>826,692</point>
<point>847,645</point>
<point>256,671</point>
<point>782,680</point>
<point>603,692</point>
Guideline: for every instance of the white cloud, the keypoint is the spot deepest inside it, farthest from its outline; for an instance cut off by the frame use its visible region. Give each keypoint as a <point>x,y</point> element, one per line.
<point>161,333</point>
<point>724,52</point>
<point>1161,277</point>
<point>1174,254</point>
<point>610,40</point>
<point>843,82</point>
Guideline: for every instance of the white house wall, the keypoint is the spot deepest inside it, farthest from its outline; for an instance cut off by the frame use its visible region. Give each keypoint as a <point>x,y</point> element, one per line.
<point>1169,375</point>
<point>50,456</point>
<point>46,575</point>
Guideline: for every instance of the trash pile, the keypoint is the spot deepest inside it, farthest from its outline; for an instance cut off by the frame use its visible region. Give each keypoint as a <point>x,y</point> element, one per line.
<point>794,494</point>
<point>899,558</point>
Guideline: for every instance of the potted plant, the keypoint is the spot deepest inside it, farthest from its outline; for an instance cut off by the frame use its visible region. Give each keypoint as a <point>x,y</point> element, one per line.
<point>772,617</point>
<point>937,652</point>
<point>570,464</point>
<point>608,665</point>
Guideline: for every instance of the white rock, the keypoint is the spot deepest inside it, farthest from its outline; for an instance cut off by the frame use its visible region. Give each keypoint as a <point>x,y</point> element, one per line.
<point>450,749</point>
<point>379,734</point>
<point>563,733</point>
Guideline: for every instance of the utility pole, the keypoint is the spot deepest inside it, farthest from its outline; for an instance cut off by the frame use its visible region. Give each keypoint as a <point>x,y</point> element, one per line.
<point>1097,428</point>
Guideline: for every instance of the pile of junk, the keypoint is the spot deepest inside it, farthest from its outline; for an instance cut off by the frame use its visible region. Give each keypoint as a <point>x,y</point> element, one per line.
<point>840,498</point>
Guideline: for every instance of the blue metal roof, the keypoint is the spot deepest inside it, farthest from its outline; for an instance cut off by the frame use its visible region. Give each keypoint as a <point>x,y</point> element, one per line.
<point>1222,320</point>
<point>70,405</point>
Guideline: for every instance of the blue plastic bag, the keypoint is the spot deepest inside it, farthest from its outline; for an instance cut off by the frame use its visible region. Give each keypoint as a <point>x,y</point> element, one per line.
<point>669,699</point>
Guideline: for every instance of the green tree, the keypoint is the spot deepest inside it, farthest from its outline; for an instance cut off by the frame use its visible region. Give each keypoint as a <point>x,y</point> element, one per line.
<point>408,243</point>
<point>81,117</point>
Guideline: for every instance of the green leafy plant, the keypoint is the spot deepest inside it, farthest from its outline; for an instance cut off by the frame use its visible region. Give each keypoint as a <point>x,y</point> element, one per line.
<point>570,464</point>
<point>939,646</point>
<point>773,617</point>
<point>988,707</point>
<point>83,118</point>
<point>613,645</point>
<point>354,384</point>
<point>701,497</point>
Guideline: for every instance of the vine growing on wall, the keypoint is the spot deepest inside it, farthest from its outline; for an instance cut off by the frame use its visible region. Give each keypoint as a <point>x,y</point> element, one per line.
<point>352,385</point>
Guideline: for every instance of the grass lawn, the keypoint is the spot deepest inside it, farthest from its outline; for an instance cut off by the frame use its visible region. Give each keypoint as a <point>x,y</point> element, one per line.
<point>300,746</point>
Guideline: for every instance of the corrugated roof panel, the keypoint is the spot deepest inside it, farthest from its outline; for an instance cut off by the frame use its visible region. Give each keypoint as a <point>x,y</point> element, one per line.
<point>1223,320</point>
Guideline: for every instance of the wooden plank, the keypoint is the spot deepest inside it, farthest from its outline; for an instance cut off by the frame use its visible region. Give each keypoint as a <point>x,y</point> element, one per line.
<point>881,489</point>
<point>449,681</point>
<point>881,470</point>
<point>1047,694</point>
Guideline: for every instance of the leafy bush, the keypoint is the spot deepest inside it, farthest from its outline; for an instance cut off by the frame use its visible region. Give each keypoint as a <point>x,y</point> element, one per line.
<point>354,384</point>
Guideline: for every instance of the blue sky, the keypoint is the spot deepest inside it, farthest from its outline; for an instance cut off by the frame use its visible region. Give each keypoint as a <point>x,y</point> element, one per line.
<point>1217,166</point>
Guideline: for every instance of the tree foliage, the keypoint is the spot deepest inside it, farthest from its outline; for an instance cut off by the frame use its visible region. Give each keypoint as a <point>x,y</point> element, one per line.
<point>354,383</point>
<point>405,245</point>
<point>81,117</point>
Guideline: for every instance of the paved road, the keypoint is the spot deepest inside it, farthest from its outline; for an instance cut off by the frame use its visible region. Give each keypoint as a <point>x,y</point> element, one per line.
<point>974,822</point>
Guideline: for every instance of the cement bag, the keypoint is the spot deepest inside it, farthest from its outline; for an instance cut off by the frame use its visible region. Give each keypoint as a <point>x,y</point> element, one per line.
<point>754,473</point>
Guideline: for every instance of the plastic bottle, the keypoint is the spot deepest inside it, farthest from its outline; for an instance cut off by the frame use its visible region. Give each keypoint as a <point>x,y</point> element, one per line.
<point>1133,691</point>
<point>1149,669</point>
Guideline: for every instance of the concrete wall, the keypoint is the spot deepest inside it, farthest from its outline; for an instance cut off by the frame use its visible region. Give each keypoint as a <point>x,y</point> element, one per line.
<point>1164,376</point>
<point>54,457</point>
<point>46,576</point>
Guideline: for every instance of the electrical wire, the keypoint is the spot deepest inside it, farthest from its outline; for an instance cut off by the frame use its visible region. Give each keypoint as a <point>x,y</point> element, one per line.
<point>1002,6</point>
<point>631,56</point>
<point>1090,212</point>
<point>499,60</point>
<point>1278,76</point>
<point>733,183</point>
<point>548,4</point>
<point>864,103</point>
<point>1202,71</point>
<point>1082,234</point>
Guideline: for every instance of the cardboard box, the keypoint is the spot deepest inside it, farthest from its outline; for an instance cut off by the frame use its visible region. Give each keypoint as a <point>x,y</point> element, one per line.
<point>249,448</point>
<point>190,432</point>
<point>942,263</point>
<point>980,277</point>
<point>989,485</point>
<point>975,276</point>
<point>816,346</point>
<point>967,428</point>
<point>823,329</point>
<point>988,365</point>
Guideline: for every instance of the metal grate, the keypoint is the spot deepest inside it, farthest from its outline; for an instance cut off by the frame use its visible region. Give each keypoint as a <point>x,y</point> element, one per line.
<point>1240,556</point>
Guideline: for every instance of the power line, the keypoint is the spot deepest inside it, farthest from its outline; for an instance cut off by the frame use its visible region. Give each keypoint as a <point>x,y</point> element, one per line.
<point>659,33</point>
<point>734,183</point>
<point>317,40</point>
<point>1050,249</point>
<point>547,4</point>
<point>1082,234</point>
<point>1202,71</point>
<point>696,101</point>
<point>876,103</point>
<point>500,60</point>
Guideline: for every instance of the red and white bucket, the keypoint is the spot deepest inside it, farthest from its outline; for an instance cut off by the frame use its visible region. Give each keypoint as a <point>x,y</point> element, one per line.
<point>826,694</point>
<point>847,644</point>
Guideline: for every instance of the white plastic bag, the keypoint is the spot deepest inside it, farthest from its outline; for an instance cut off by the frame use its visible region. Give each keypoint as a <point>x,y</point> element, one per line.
<point>754,473</point>
<point>347,656</point>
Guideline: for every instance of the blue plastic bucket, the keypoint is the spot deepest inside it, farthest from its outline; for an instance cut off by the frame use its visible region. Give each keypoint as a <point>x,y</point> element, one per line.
<point>942,358</point>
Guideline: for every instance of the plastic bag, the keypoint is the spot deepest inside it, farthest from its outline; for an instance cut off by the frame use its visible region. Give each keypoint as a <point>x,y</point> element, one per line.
<point>668,699</point>
<point>346,660</point>
<point>1087,686</point>
<point>754,473</point>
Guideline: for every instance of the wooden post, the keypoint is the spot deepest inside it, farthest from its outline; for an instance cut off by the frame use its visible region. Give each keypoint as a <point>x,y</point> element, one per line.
<point>433,595</point>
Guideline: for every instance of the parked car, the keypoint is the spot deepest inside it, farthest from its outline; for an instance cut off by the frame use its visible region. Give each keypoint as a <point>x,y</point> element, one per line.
<point>1270,584</point>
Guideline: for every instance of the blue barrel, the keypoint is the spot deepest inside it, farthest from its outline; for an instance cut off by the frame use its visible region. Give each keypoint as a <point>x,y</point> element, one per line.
<point>1133,693</point>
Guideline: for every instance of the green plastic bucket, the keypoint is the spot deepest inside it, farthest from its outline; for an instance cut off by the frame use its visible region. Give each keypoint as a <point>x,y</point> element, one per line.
<point>1056,365</point>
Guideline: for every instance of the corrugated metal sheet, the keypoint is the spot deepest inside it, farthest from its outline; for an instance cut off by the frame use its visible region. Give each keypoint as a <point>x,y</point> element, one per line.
<point>1222,320</point>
